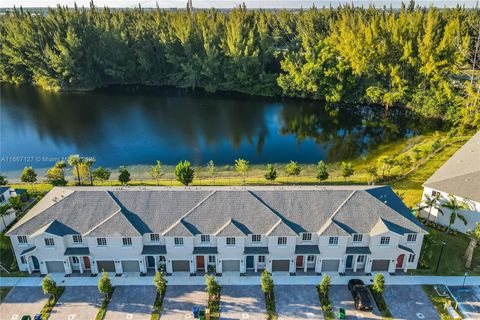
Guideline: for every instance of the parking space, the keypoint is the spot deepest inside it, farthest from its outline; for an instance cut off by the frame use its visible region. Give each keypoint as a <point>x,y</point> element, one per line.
<point>22,301</point>
<point>242,302</point>
<point>77,303</point>
<point>409,303</point>
<point>131,302</point>
<point>468,299</point>
<point>297,302</point>
<point>179,301</point>
<point>340,297</point>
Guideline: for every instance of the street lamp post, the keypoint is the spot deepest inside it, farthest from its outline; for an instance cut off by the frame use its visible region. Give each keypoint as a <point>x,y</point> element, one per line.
<point>464,279</point>
<point>440,256</point>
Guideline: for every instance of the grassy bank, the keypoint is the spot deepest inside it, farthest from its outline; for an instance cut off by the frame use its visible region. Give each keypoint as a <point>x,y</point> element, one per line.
<point>3,292</point>
<point>439,301</point>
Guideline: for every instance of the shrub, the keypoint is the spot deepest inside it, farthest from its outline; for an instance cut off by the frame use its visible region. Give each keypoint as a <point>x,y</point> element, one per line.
<point>378,283</point>
<point>184,173</point>
<point>160,283</point>
<point>105,286</point>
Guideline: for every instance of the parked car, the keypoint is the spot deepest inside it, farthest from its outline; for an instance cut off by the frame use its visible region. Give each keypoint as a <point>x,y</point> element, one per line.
<point>361,295</point>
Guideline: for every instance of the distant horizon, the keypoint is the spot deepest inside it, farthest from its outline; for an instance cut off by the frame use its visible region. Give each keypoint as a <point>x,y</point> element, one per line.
<point>226,4</point>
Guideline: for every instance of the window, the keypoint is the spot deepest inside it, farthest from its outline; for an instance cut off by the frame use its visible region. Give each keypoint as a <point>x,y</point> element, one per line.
<point>154,237</point>
<point>77,238</point>
<point>333,241</point>
<point>412,238</point>
<point>361,259</point>
<point>205,238</point>
<point>311,258</point>
<point>307,237</point>
<point>211,259</point>
<point>49,242</point>
<point>127,242</point>
<point>256,238</point>
<point>230,241</point>
<point>22,239</point>
<point>384,241</point>
<point>357,237</point>
<point>411,258</point>
<point>23,260</point>
<point>102,242</point>
<point>435,193</point>
<point>261,259</point>
<point>282,241</point>
<point>162,259</point>
<point>75,260</point>
<point>2,198</point>
<point>178,241</point>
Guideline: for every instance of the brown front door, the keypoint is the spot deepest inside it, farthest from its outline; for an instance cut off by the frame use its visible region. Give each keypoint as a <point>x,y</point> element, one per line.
<point>299,261</point>
<point>86,261</point>
<point>400,261</point>
<point>200,263</point>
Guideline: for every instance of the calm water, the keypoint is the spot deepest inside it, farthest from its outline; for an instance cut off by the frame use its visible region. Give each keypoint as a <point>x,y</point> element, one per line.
<point>127,127</point>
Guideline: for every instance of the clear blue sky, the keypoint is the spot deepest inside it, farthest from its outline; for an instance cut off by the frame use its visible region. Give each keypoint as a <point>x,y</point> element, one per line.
<point>231,3</point>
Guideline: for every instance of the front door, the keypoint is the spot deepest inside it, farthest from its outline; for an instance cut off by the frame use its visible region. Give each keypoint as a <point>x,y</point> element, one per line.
<point>299,262</point>
<point>36,265</point>
<point>86,262</point>
<point>400,261</point>
<point>200,263</point>
<point>249,262</point>
<point>151,261</point>
<point>349,264</point>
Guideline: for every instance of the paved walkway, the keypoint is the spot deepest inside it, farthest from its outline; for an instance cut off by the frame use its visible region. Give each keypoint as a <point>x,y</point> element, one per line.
<point>134,279</point>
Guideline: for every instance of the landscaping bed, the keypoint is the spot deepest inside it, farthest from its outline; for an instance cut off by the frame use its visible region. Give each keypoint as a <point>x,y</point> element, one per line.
<point>381,304</point>
<point>52,301</point>
<point>439,301</point>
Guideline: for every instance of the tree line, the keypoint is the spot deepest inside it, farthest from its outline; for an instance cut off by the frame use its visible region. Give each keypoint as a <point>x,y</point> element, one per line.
<point>422,58</point>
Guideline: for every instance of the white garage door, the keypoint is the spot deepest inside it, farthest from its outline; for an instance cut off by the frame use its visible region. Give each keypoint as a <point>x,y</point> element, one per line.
<point>380,265</point>
<point>181,266</point>
<point>330,265</point>
<point>280,265</point>
<point>130,266</point>
<point>231,266</point>
<point>55,266</point>
<point>107,266</point>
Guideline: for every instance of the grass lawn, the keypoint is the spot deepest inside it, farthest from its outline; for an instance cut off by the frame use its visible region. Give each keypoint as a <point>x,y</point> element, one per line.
<point>3,292</point>
<point>438,301</point>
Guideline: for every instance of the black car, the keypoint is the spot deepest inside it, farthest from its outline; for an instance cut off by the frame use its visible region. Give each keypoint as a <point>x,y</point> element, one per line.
<point>360,294</point>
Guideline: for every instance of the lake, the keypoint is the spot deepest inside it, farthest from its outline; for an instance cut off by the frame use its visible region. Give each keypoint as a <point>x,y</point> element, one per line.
<point>132,125</point>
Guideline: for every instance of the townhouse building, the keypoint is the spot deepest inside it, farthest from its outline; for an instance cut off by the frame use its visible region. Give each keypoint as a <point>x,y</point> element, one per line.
<point>224,230</point>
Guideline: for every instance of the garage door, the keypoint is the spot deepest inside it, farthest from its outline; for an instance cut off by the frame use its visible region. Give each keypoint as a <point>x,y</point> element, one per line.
<point>280,265</point>
<point>181,266</point>
<point>231,266</point>
<point>107,266</point>
<point>55,266</point>
<point>380,265</point>
<point>330,265</point>
<point>130,266</point>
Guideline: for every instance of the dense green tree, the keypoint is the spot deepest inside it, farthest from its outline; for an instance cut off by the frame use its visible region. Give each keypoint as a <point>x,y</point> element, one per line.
<point>3,180</point>
<point>105,285</point>
<point>271,173</point>
<point>124,175</point>
<point>241,166</point>
<point>156,171</point>
<point>453,205</point>
<point>101,174</point>
<point>347,170</point>
<point>74,161</point>
<point>49,286</point>
<point>322,173</point>
<point>184,172</point>
<point>56,176</point>
<point>29,175</point>
<point>160,283</point>
<point>293,169</point>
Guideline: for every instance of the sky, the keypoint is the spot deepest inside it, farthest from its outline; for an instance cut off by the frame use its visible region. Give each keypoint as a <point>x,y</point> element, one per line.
<point>231,3</point>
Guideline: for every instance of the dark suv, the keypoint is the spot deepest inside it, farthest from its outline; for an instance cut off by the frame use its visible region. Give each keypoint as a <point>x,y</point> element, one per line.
<point>360,294</point>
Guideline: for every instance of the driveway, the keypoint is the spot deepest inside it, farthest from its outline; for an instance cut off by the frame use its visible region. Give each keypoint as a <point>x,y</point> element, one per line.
<point>409,303</point>
<point>77,303</point>
<point>242,302</point>
<point>131,302</point>
<point>340,297</point>
<point>179,301</point>
<point>297,302</point>
<point>468,299</point>
<point>22,301</point>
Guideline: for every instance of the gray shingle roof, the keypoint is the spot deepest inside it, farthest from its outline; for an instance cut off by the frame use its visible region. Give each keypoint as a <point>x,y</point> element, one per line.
<point>255,250</point>
<point>205,250</point>
<point>3,189</point>
<point>79,251</point>
<point>154,249</point>
<point>116,225</point>
<point>358,250</point>
<point>405,248</point>
<point>307,249</point>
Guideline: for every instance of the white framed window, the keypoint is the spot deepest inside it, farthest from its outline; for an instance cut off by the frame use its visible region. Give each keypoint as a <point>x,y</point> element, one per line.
<point>411,258</point>
<point>75,260</point>
<point>256,238</point>
<point>154,237</point>
<point>77,238</point>
<point>333,241</point>
<point>49,242</point>
<point>311,258</point>
<point>435,193</point>
<point>178,241</point>
<point>23,260</point>
<point>127,242</point>
<point>211,259</point>
<point>205,238</point>
<point>22,239</point>
<point>102,242</point>
<point>2,198</point>
<point>230,241</point>
<point>385,241</point>
<point>361,259</point>
<point>412,238</point>
<point>162,259</point>
<point>281,241</point>
<point>357,237</point>
<point>307,237</point>
<point>261,259</point>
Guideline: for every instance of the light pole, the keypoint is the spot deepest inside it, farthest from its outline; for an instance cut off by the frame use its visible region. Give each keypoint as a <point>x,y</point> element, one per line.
<point>464,279</point>
<point>440,256</point>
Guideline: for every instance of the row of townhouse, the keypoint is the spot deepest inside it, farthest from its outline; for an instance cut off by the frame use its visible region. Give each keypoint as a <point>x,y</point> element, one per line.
<point>296,230</point>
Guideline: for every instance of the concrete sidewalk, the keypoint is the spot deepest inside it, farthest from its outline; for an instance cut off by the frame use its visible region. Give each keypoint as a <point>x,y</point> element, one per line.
<point>135,279</point>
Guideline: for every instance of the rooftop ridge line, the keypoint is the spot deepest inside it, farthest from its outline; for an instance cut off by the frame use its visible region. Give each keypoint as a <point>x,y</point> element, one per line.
<point>330,220</point>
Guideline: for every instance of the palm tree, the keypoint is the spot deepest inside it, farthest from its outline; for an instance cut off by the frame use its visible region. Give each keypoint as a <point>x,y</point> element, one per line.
<point>16,204</point>
<point>430,202</point>
<point>474,236</point>
<point>454,206</point>
<point>74,160</point>
<point>89,163</point>
<point>3,212</point>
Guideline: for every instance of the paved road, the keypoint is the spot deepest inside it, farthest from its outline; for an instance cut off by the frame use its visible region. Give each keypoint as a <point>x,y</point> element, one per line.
<point>340,297</point>
<point>468,299</point>
<point>409,303</point>
<point>131,303</point>
<point>22,301</point>
<point>297,302</point>
<point>179,301</point>
<point>77,303</point>
<point>242,302</point>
